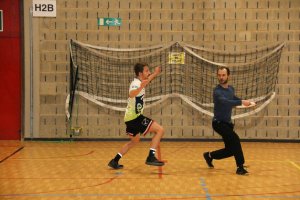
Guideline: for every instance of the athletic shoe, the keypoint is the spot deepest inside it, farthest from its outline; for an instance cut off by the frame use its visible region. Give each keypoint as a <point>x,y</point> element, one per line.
<point>208,160</point>
<point>152,160</point>
<point>115,165</point>
<point>241,171</point>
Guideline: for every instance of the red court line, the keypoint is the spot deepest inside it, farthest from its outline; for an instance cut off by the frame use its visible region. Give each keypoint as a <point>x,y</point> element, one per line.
<point>68,189</point>
<point>66,156</point>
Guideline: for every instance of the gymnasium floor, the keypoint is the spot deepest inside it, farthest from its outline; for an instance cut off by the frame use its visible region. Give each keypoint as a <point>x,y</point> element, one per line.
<point>78,170</point>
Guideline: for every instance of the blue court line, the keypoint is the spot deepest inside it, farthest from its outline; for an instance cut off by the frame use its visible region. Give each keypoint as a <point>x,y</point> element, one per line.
<point>203,185</point>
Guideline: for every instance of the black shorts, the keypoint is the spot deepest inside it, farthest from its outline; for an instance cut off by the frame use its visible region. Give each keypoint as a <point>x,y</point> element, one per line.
<point>141,125</point>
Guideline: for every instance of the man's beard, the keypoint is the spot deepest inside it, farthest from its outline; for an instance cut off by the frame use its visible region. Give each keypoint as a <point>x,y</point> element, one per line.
<point>223,81</point>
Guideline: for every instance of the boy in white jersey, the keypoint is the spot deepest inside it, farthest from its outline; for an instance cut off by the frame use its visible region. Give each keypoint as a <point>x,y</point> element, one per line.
<point>135,122</point>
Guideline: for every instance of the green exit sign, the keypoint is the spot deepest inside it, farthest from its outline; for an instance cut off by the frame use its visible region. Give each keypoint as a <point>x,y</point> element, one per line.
<point>1,20</point>
<point>109,21</point>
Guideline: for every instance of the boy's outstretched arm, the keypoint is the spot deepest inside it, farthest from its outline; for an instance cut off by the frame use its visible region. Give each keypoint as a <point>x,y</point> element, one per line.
<point>157,71</point>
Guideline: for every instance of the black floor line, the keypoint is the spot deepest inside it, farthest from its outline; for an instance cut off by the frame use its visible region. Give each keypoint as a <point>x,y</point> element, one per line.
<point>7,157</point>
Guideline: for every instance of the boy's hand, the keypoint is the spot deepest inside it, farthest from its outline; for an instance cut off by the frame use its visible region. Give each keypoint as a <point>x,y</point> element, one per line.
<point>157,70</point>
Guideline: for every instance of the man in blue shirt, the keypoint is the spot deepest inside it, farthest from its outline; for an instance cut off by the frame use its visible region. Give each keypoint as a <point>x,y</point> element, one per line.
<point>224,99</point>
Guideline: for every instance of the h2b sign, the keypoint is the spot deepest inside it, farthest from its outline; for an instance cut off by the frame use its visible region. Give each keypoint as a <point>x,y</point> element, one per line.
<point>44,8</point>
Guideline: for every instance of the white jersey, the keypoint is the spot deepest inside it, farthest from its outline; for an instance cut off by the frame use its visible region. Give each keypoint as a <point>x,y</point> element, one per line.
<point>135,105</point>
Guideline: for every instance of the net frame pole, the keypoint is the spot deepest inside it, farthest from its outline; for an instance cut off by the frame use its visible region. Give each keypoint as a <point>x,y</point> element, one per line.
<point>73,83</point>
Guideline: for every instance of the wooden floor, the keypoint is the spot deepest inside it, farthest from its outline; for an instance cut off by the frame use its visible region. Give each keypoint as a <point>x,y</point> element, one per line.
<point>78,170</point>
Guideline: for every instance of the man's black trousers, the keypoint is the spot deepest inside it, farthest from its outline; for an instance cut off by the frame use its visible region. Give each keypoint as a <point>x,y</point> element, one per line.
<point>232,143</point>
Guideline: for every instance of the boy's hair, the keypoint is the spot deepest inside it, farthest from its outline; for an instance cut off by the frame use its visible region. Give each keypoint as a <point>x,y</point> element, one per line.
<point>139,67</point>
<point>227,69</point>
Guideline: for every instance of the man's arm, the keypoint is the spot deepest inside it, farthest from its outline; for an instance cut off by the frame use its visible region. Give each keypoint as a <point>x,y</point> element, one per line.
<point>234,102</point>
<point>244,102</point>
<point>230,102</point>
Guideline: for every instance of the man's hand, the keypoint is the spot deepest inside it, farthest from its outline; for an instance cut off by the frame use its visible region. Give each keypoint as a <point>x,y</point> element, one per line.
<point>246,102</point>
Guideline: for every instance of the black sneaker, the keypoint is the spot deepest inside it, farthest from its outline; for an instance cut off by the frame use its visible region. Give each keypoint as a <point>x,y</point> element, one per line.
<point>152,160</point>
<point>241,171</point>
<point>208,160</point>
<point>113,164</point>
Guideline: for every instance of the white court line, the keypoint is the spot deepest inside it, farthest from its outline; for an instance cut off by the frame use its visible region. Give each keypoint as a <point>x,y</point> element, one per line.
<point>294,164</point>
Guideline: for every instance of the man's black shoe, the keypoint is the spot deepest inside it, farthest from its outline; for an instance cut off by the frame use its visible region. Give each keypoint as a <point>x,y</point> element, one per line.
<point>113,164</point>
<point>241,171</point>
<point>208,160</point>
<point>152,160</point>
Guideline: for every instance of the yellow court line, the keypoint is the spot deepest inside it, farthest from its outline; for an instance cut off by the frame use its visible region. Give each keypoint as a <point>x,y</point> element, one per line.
<point>294,164</point>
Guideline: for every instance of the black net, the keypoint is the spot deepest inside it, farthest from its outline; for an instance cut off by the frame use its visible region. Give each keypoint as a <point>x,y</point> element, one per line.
<point>188,72</point>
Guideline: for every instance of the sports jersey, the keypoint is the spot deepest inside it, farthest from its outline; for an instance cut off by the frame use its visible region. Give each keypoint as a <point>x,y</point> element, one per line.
<point>135,105</point>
